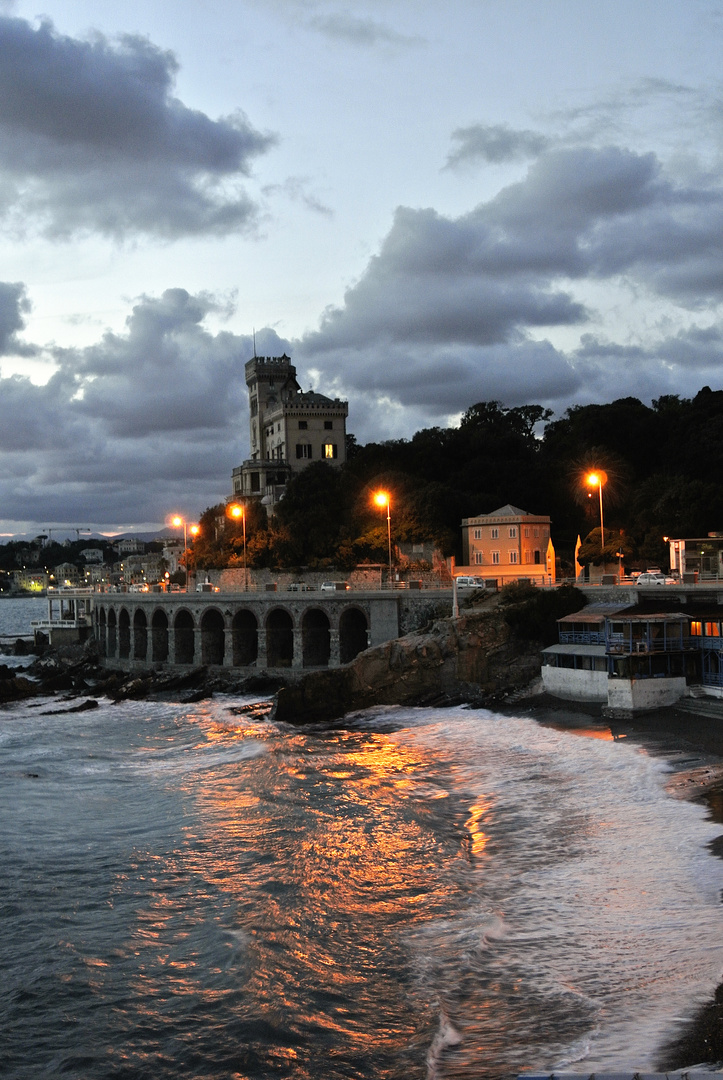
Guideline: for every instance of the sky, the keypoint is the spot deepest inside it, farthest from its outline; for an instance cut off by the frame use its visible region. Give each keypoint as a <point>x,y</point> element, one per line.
<point>425,205</point>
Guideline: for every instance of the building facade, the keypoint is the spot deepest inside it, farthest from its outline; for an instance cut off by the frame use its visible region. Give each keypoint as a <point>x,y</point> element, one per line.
<point>701,557</point>
<point>288,430</point>
<point>508,544</point>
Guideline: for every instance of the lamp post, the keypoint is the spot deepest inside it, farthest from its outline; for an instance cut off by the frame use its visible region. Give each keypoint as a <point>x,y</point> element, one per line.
<point>237,512</point>
<point>596,480</point>
<point>177,522</point>
<point>381,499</point>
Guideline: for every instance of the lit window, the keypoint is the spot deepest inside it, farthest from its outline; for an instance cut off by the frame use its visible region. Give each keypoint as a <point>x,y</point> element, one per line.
<point>329,450</point>
<point>696,629</point>
<point>712,629</point>
<point>495,557</point>
<point>513,556</point>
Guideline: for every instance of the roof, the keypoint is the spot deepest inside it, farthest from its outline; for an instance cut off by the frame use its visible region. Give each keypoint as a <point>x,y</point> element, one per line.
<point>575,650</point>
<point>508,510</point>
<point>594,613</point>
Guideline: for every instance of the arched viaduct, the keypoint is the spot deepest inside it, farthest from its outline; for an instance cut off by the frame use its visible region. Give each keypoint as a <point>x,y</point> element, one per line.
<point>265,631</point>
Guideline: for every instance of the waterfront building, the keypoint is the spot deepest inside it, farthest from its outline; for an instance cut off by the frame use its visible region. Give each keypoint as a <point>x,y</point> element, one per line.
<point>509,544</point>
<point>636,657</point>
<point>288,430</point>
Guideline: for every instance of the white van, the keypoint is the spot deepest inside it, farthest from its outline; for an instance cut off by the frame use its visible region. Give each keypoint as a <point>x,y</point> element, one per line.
<point>470,582</point>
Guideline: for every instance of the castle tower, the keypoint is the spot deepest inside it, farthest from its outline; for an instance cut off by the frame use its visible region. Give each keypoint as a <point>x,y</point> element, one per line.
<point>288,429</point>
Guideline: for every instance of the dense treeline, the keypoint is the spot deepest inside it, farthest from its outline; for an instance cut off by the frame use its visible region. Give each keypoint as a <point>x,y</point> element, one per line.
<point>663,462</point>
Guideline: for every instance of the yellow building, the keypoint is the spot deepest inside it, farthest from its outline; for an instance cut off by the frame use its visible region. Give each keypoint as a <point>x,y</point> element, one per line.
<point>507,545</point>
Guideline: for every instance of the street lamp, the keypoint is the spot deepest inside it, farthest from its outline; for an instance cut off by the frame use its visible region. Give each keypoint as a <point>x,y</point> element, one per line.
<point>596,480</point>
<point>177,522</point>
<point>382,499</point>
<point>237,512</point>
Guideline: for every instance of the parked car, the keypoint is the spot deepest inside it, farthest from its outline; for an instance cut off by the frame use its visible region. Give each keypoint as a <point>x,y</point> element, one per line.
<point>334,586</point>
<point>652,578</point>
<point>299,586</point>
<point>470,582</point>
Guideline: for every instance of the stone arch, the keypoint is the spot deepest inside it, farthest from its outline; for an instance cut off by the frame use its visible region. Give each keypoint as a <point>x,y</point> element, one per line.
<point>315,638</point>
<point>245,639</point>
<point>112,633</point>
<point>353,634</point>
<point>124,634</point>
<point>101,632</point>
<point>140,634</point>
<point>212,637</point>
<point>159,636</point>
<point>183,626</point>
<point>279,638</point>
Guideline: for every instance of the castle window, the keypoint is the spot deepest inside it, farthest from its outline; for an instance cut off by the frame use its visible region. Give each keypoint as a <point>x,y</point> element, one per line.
<point>538,557</point>
<point>495,557</point>
<point>478,534</point>
<point>303,425</point>
<point>495,533</point>
<point>255,482</point>
<point>254,406</point>
<point>513,556</point>
<point>303,450</point>
<point>513,532</point>
<point>479,557</point>
<point>329,450</point>
<point>328,425</point>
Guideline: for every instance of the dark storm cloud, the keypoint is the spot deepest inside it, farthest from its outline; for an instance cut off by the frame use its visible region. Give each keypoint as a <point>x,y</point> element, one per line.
<point>128,429</point>
<point>92,138</point>
<point>450,309</point>
<point>494,143</point>
<point>14,305</point>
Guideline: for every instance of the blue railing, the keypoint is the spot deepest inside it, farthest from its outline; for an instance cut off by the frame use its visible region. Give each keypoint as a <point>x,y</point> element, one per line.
<point>582,637</point>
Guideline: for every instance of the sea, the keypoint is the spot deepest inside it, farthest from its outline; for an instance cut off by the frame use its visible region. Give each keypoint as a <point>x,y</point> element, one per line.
<point>191,890</point>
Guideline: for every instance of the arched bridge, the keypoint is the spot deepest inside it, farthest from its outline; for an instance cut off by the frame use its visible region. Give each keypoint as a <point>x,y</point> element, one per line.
<point>240,630</point>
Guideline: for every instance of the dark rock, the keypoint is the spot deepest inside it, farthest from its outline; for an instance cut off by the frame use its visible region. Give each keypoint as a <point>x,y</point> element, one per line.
<point>21,647</point>
<point>84,706</point>
<point>474,657</point>
<point>17,688</point>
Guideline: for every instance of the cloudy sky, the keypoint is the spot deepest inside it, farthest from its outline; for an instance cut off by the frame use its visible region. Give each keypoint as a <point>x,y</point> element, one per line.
<point>427,205</point>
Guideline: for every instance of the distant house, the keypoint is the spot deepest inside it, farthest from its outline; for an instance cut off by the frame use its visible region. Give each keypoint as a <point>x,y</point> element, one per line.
<point>130,547</point>
<point>92,555</point>
<point>67,574</point>
<point>508,544</point>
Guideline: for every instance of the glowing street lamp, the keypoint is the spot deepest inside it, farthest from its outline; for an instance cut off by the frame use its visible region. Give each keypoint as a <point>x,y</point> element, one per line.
<point>237,512</point>
<point>596,479</point>
<point>177,522</point>
<point>382,498</point>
